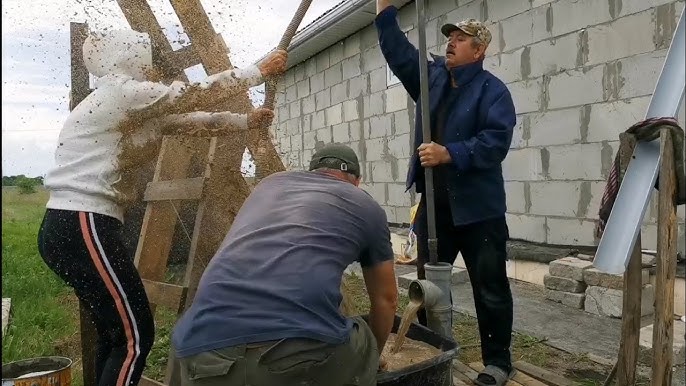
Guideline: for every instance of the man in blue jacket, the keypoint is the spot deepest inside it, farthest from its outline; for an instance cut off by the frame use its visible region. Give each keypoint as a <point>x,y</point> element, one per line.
<point>472,118</point>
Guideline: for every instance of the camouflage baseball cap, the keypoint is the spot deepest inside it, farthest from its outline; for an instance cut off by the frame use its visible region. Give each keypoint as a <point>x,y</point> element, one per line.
<point>471,27</point>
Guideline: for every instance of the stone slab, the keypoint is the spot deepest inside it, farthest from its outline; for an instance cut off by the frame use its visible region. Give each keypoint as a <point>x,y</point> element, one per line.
<point>563,284</point>
<point>608,302</point>
<point>574,300</point>
<point>6,305</point>
<point>459,275</point>
<point>679,345</point>
<point>570,267</point>
<point>594,277</point>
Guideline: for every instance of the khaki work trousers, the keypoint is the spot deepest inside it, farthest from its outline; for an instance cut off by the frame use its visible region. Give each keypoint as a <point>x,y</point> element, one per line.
<point>288,362</point>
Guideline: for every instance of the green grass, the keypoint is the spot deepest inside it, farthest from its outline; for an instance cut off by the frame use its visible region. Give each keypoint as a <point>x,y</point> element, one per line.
<point>40,316</point>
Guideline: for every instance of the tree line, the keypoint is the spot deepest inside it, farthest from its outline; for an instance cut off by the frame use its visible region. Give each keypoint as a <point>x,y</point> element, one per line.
<point>25,184</point>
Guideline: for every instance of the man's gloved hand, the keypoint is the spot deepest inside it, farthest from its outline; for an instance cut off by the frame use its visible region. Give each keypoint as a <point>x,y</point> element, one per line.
<point>260,117</point>
<point>274,63</point>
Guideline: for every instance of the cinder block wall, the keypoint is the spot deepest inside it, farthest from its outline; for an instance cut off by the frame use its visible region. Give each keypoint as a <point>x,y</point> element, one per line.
<point>580,72</point>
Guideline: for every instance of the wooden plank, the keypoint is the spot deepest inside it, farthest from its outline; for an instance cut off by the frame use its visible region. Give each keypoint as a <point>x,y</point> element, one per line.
<point>479,367</point>
<point>145,381</point>
<point>164,294</point>
<point>184,58</point>
<point>465,370</point>
<point>179,189</point>
<point>80,88</point>
<point>160,218</point>
<point>199,29</point>
<point>141,18</point>
<point>665,272</point>
<point>631,300</point>
<point>542,375</point>
<point>458,382</point>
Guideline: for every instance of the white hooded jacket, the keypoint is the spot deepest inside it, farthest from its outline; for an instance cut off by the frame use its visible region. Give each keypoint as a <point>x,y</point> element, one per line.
<point>89,144</point>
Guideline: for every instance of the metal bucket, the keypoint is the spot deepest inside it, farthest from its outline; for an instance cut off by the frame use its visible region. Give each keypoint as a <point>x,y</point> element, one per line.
<point>43,371</point>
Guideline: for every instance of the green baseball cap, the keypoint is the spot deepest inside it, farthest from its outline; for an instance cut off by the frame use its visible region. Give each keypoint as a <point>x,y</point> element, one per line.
<point>471,27</point>
<point>336,156</point>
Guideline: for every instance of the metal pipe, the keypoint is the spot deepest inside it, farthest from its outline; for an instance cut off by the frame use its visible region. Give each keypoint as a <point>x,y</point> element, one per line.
<point>624,223</point>
<point>426,132</point>
<point>434,294</point>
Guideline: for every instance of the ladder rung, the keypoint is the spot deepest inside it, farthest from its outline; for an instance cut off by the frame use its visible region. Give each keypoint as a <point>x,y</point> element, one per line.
<point>184,58</point>
<point>167,295</point>
<point>181,189</point>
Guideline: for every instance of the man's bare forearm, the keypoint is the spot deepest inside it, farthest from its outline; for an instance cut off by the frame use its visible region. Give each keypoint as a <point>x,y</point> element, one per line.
<point>381,5</point>
<point>381,318</point>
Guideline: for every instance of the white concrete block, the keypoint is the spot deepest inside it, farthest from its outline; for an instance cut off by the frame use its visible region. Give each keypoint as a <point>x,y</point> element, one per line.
<point>402,215</point>
<point>351,67</point>
<point>350,112</point>
<point>291,93</point>
<point>494,47</point>
<point>597,190</point>
<point>560,127</point>
<point>553,55</point>
<point>397,195</point>
<point>564,284</point>
<point>438,8</point>
<point>572,15</point>
<point>538,3</point>
<point>323,99</point>
<point>526,95</point>
<point>595,277</point>
<point>373,104</point>
<point>608,120</point>
<point>608,302</point>
<point>303,88</point>
<point>634,6</point>
<point>310,67</point>
<point>294,109</point>
<point>555,198</point>
<point>379,126</point>
<point>351,45</point>
<point>333,75</point>
<point>621,38</point>
<point>466,10</point>
<point>339,93</point>
<point>377,79</point>
<point>639,74</point>
<point>396,99</point>
<point>381,171</point>
<point>336,53</point>
<point>289,77</point>
<point>506,66</point>
<point>378,191</point>
<point>518,140</point>
<point>334,114</point>
<point>523,165</point>
<point>356,130</point>
<point>357,86</point>
<point>524,29</point>
<point>399,146</point>
<point>575,162</point>
<point>324,135</point>
<point>569,299</point>
<point>309,140</point>
<point>576,87</point>
<point>317,82</point>
<point>514,194</point>
<point>525,227</point>
<point>375,148</point>
<point>390,213</point>
<point>309,104</point>
<point>299,73</point>
<point>499,10</point>
<point>570,231</point>
<point>401,121</point>
<point>340,133</point>
<point>318,119</point>
<point>372,59</point>
<point>649,236</point>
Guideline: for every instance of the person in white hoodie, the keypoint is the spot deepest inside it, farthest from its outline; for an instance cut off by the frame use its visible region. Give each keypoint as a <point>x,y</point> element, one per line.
<point>80,238</point>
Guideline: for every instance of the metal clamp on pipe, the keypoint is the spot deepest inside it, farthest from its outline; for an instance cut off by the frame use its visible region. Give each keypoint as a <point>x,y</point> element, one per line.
<point>435,296</point>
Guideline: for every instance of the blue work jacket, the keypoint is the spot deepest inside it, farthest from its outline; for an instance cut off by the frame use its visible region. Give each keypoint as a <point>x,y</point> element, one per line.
<point>477,131</point>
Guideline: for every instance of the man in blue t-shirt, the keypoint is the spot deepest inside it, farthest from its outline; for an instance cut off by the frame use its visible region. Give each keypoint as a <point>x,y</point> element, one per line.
<point>267,307</point>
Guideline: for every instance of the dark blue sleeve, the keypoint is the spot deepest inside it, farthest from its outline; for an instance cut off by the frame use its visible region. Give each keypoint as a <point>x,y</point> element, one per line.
<point>379,247</point>
<point>402,57</point>
<point>492,142</point>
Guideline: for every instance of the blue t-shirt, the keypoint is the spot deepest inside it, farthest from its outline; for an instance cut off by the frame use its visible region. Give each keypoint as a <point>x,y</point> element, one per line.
<point>278,272</point>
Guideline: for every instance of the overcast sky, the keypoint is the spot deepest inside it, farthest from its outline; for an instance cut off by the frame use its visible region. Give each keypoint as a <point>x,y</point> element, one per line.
<point>35,59</point>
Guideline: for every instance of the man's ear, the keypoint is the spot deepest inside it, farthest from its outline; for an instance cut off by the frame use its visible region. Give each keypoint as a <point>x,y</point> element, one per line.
<point>481,51</point>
